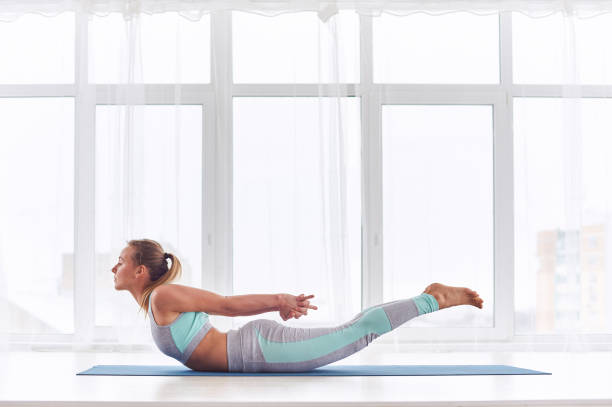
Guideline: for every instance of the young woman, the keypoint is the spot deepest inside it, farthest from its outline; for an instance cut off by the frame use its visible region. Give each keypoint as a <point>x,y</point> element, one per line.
<point>181,329</point>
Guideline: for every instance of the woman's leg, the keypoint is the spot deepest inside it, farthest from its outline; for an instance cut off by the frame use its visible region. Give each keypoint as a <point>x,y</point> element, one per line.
<point>266,346</point>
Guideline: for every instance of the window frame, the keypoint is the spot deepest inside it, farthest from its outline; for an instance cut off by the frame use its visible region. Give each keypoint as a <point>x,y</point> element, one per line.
<point>216,100</point>
<point>502,194</point>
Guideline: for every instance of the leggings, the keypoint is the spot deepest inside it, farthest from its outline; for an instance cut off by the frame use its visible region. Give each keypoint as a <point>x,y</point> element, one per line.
<point>264,345</point>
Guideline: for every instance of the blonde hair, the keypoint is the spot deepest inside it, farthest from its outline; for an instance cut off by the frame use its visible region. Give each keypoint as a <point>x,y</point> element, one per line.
<point>149,253</point>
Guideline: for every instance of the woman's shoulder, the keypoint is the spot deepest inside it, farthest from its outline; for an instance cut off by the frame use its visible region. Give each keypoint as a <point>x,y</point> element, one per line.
<point>160,289</point>
<point>184,298</point>
<point>164,289</point>
<point>163,315</point>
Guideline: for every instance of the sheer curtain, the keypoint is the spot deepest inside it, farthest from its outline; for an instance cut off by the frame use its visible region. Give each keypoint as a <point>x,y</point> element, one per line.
<point>154,129</point>
<point>148,155</point>
<point>562,197</point>
<point>304,147</point>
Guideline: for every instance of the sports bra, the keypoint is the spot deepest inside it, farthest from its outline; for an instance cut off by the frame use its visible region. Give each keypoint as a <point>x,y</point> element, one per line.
<point>180,338</point>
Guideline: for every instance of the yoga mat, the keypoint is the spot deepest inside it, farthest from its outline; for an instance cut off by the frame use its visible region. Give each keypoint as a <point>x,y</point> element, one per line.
<point>340,370</point>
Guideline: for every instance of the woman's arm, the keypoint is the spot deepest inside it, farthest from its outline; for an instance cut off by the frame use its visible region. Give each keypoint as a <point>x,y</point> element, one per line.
<point>252,304</point>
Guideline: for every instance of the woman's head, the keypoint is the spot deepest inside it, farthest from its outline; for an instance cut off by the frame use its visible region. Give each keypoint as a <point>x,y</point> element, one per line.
<point>142,266</point>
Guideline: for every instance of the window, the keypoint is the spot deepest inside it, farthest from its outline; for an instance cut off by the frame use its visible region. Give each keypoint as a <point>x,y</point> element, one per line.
<point>429,174</point>
<point>295,48</point>
<point>419,48</point>
<point>281,172</point>
<point>544,48</point>
<point>174,49</point>
<point>541,163</point>
<point>37,213</point>
<point>438,205</point>
<point>45,57</point>
<point>167,145</point>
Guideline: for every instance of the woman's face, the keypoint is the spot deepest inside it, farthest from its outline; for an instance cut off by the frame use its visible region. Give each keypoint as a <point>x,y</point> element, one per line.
<point>124,269</point>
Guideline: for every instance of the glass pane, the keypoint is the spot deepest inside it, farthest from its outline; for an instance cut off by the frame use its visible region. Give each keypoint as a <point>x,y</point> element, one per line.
<point>558,50</point>
<point>37,214</point>
<point>148,185</point>
<point>451,48</point>
<point>40,49</point>
<point>168,49</point>
<point>295,48</point>
<point>282,172</point>
<point>438,206</point>
<point>562,195</point>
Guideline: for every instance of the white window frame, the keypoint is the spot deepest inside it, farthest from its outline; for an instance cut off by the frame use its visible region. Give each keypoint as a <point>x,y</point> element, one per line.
<point>374,96</point>
<point>216,101</point>
<point>502,194</point>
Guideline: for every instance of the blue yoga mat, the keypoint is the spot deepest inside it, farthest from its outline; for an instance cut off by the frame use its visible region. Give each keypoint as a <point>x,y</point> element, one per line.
<point>340,370</point>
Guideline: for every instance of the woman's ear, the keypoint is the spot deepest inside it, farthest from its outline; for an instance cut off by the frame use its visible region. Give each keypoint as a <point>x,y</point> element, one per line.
<point>142,270</point>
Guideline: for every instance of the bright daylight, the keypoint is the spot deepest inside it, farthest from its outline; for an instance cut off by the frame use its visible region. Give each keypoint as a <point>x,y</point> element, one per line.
<point>313,203</point>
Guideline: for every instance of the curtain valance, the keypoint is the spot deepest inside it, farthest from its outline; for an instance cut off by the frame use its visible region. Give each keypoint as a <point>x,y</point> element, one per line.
<point>194,9</point>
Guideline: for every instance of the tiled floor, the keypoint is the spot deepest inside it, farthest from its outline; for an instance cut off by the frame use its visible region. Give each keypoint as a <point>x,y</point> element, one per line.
<point>49,379</point>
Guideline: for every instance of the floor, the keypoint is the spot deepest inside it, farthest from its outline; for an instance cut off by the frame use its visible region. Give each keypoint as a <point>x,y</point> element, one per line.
<point>49,379</point>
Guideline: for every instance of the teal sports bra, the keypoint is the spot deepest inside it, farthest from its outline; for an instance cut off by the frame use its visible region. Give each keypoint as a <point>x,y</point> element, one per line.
<point>180,338</point>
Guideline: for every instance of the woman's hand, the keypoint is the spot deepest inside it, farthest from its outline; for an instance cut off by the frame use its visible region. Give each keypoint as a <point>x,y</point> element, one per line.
<point>291,306</point>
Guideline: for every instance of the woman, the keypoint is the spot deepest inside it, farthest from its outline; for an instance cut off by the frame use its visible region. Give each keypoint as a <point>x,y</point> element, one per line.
<point>181,329</point>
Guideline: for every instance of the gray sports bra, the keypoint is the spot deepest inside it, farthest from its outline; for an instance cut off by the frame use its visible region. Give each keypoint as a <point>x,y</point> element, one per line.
<point>180,338</point>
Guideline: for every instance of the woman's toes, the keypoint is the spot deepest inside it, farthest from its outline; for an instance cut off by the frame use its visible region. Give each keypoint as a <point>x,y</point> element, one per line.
<point>474,294</point>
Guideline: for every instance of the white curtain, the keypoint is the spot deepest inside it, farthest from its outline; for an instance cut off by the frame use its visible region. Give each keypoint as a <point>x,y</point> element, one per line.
<point>295,189</point>
<point>147,152</point>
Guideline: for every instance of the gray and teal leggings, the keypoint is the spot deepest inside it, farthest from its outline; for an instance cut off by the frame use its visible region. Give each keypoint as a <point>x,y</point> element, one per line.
<point>264,345</point>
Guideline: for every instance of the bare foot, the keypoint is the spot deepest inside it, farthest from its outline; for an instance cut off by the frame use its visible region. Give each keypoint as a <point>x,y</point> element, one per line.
<point>448,296</point>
